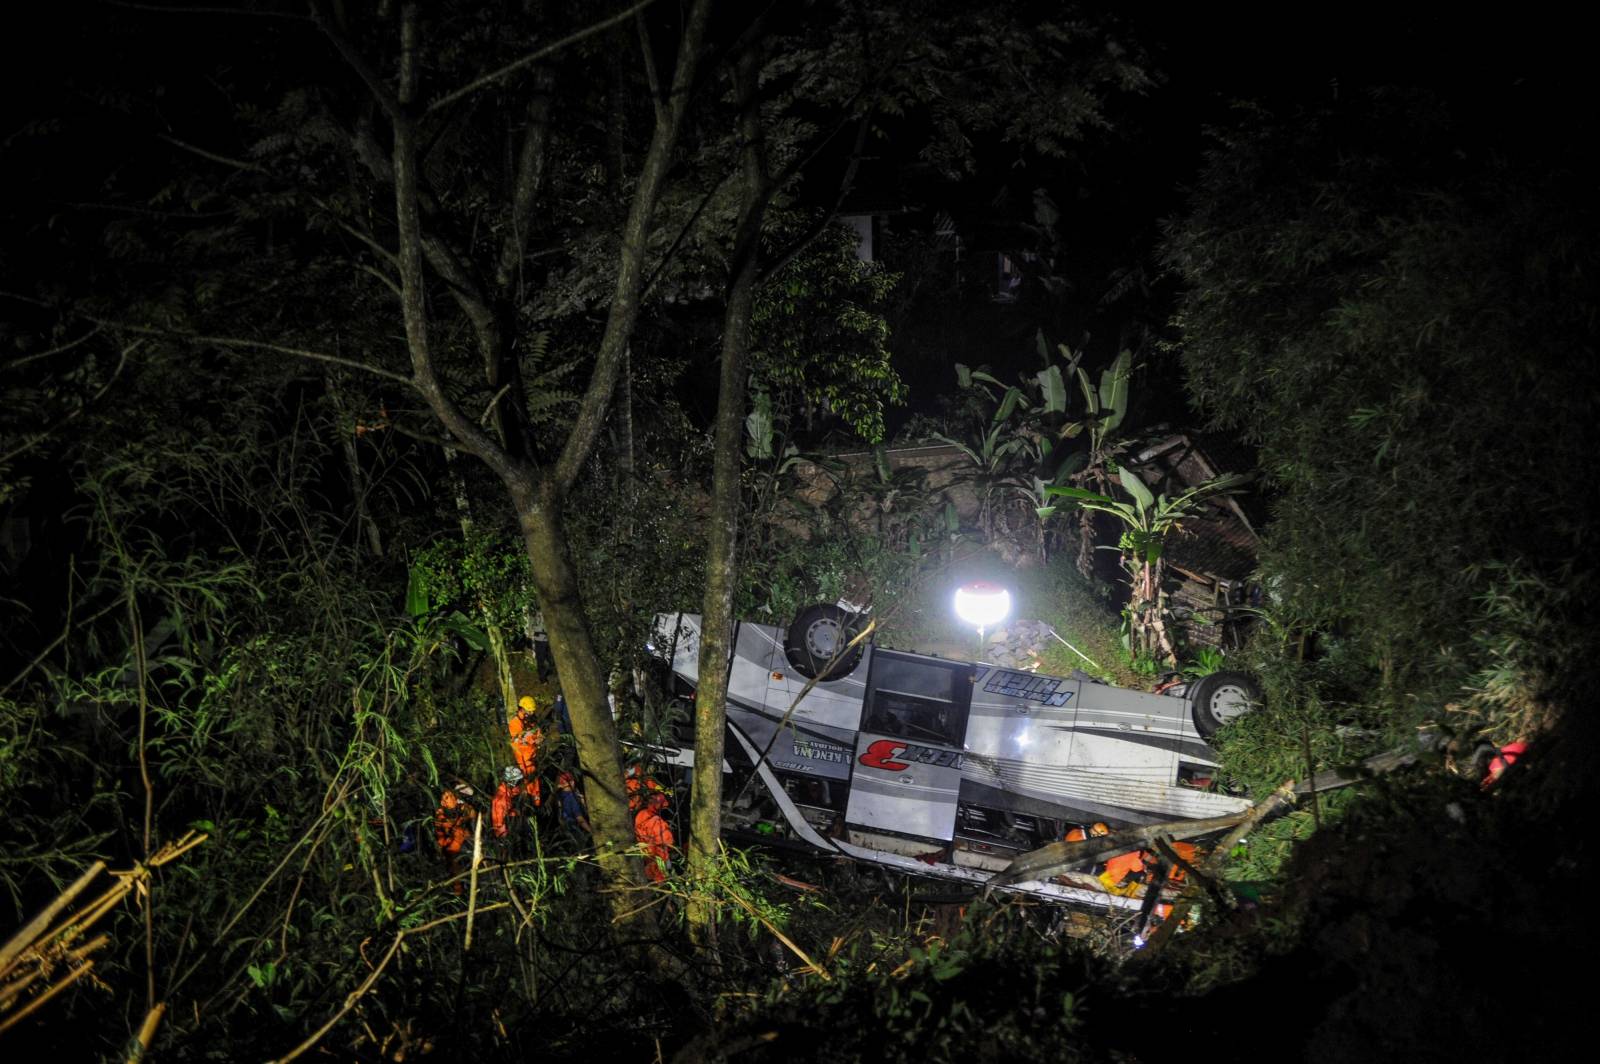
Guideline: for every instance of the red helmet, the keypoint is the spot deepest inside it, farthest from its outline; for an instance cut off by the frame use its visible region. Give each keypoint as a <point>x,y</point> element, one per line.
<point>565,779</point>
<point>658,800</point>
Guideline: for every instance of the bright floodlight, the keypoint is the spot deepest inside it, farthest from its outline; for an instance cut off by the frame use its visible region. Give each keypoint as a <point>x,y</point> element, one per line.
<point>982,604</point>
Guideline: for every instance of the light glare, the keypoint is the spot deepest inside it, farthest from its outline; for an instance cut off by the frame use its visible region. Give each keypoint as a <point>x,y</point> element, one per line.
<point>982,604</point>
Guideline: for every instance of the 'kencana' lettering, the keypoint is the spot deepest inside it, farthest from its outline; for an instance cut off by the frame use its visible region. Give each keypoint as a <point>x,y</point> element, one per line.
<point>819,751</point>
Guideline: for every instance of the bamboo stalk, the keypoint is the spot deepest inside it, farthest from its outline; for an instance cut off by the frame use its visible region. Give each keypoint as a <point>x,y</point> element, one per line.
<point>38,1002</point>
<point>1057,857</point>
<point>372,977</point>
<point>147,1032</point>
<point>781,937</point>
<point>35,927</point>
<point>472,889</point>
<point>1285,794</point>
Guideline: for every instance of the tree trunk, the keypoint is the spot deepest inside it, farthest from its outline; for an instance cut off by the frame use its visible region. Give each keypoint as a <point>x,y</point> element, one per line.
<point>722,529</point>
<point>352,461</point>
<point>537,495</point>
<point>583,683</point>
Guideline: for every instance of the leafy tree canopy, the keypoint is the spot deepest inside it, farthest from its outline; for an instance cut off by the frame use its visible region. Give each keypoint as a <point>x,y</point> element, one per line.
<point>1393,298</point>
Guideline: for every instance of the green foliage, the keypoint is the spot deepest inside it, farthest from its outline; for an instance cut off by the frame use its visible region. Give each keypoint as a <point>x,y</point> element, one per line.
<point>1204,662</point>
<point>819,338</point>
<point>1146,523</point>
<point>993,992</point>
<point>1526,651</point>
<point>739,886</point>
<point>487,574</point>
<point>1390,299</point>
<point>1150,518</point>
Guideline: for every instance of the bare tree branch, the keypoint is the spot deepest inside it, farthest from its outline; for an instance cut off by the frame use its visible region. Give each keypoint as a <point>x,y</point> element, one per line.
<point>652,77</point>
<point>58,349</point>
<point>413,301</point>
<point>44,434</point>
<point>258,345</point>
<point>237,164</point>
<point>630,268</point>
<point>525,186</point>
<point>167,9</point>
<point>356,62</point>
<point>533,57</point>
<point>366,238</point>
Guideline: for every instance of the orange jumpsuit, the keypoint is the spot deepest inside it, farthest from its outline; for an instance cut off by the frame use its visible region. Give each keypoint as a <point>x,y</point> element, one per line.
<point>452,822</point>
<point>635,782</point>
<point>504,808</point>
<point>1124,865</point>
<point>1119,868</point>
<point>525,741</point>
<point>1189,852</point>
<point>653,832</point>
<point>452,828</point>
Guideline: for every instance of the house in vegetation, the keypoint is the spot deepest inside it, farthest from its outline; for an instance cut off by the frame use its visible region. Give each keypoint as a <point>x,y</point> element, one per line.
<point>1212,557</point>
<point>1210,560</point>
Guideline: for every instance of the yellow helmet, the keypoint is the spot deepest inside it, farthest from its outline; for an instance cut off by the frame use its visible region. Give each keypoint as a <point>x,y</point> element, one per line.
<point>526,702</point>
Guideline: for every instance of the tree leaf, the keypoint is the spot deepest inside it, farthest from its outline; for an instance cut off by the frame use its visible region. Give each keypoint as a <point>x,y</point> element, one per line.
<point>1135,487</point>
<point>1054,390</point>
<point>1114,390</point>
<point>1008,404</point>
<point>417,604</point>
<point>1077,493</point>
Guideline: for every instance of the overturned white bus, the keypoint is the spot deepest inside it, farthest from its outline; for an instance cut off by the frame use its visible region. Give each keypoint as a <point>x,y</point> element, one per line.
<point>946,768</point>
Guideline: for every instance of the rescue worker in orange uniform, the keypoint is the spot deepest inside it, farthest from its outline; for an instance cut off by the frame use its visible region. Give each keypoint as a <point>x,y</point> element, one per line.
<point>1123,873</point>
<point>637,783</point>
<point>1190,853</point>
<point>1077,834</point>
<point>526,738</point>
<point>504,815</point>
<point>1503,759</point>
<point>653,832</point>
<point>452,825</point>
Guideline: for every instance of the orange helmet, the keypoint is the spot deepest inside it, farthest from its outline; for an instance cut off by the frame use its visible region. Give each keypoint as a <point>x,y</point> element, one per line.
<point>1099,828</point>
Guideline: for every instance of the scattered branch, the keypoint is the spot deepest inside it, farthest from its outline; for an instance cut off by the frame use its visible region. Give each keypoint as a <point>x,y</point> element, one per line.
<point>58,349</point>
<point>237,164</point>
<point>43,948</point>
<point>258,345</point>
<point>533,57</point>
<point>38,437</point>
<point>372,977</point>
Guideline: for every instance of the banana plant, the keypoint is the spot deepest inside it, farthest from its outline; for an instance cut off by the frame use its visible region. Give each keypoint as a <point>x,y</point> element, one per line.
<point>997,443</point>
<point>1147,519</point>
<point>1105,406</point>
